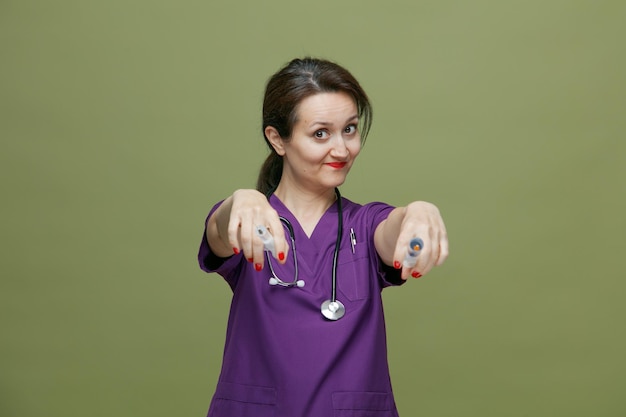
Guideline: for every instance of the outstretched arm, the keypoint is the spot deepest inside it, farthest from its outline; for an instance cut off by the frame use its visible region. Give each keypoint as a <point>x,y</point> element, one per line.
<point>418,219</point>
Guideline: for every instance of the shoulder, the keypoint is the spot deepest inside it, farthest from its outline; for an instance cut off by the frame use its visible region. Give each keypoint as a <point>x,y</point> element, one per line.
<point>369,209</point>
<point>370,214</point>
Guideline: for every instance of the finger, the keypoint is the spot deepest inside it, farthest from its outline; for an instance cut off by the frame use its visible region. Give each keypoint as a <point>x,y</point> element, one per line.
<point>280,242</point>
<point>233,234</point>
<point>246,236</point>
<point>428,258</point>
<point>415,251</point>
<point>421,267</point>
<point>258,251</point>
<point>432,252</point>
<point>258,247</point>
<point>443,249</point>
<point>399,255</point>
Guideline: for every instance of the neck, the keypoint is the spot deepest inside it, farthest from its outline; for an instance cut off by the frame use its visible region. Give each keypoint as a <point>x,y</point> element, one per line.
<point>307,206</point>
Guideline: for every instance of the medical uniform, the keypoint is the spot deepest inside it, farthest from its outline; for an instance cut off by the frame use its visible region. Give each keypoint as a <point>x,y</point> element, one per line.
<point>282,358</point>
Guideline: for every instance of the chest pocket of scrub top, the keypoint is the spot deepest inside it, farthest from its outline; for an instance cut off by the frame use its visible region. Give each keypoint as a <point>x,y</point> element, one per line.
<point>239,400</point>
<point>363,404</point>
<point>353,274</point>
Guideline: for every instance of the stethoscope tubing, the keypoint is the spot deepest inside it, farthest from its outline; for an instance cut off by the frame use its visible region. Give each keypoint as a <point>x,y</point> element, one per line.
<point>279,281</point>
<point>332,309</point>
<point>333,294</point>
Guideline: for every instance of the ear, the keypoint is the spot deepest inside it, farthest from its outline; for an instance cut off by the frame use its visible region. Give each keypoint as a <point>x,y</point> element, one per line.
<point>275,140</point>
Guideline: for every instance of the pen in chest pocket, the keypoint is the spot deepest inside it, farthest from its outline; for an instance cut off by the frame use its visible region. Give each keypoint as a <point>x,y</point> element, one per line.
<point>352,239</point>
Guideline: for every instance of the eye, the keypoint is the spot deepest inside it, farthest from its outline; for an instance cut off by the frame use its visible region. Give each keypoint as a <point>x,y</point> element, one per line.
<point>350,129</point>
<point>321,134</point>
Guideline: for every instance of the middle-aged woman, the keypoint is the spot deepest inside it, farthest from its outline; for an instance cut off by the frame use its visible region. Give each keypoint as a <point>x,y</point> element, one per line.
<point>306,332</point>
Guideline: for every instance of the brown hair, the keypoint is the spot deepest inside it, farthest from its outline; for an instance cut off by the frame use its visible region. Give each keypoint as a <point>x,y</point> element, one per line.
<point>298,80</point>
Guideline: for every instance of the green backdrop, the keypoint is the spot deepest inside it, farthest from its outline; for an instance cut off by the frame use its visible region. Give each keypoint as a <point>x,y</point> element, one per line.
<point>122,122</point>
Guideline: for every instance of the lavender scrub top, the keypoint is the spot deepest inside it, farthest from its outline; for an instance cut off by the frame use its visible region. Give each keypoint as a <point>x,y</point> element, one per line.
<point>282,358</point>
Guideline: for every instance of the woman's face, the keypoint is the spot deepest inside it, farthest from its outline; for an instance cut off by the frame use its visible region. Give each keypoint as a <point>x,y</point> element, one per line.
<point>324,141</point>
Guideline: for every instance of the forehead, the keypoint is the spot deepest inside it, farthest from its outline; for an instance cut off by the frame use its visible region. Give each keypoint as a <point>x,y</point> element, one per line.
<point>326,107</point>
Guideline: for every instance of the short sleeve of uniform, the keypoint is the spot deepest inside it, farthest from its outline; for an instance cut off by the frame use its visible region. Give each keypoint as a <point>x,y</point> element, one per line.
<point>371,215</point>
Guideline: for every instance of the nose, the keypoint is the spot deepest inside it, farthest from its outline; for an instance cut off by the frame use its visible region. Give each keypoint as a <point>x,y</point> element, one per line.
<point>339,149</point>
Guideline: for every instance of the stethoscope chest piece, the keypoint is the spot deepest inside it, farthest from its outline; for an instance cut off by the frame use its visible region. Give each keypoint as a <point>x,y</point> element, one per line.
<point>333,310</point>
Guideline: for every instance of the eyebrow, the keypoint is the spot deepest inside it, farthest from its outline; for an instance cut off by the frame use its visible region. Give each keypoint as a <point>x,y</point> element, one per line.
<point>322,123</point>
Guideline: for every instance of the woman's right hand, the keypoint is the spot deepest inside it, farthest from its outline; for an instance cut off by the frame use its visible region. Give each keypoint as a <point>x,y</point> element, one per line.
<point>231,229</point>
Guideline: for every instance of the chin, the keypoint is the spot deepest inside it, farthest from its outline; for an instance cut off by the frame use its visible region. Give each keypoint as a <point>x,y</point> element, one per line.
<point>328,181</point>
<point>337,183</point>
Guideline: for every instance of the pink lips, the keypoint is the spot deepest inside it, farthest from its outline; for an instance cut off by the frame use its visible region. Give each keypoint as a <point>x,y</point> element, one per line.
<point>337,165</point>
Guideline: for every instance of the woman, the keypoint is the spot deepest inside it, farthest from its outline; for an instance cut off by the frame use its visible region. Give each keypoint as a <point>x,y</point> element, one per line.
<point>313,343</point>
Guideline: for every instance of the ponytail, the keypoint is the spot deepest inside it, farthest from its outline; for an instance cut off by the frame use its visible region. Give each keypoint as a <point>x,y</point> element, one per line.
<point>270,174</point>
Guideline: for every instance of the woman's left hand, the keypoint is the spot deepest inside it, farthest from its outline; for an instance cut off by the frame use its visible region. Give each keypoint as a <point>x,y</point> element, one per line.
<point>422,220</point>
<point>419,219</point>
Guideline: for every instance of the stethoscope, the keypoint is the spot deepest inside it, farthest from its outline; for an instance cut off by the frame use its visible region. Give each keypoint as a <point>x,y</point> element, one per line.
<point>332,308</point>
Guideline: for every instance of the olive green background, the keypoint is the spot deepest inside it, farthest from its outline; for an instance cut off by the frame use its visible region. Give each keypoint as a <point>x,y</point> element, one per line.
<point>122,122</point>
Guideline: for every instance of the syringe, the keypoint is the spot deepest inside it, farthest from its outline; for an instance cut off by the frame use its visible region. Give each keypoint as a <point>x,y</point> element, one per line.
<point>267,238</point>
<point>415,247</point>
